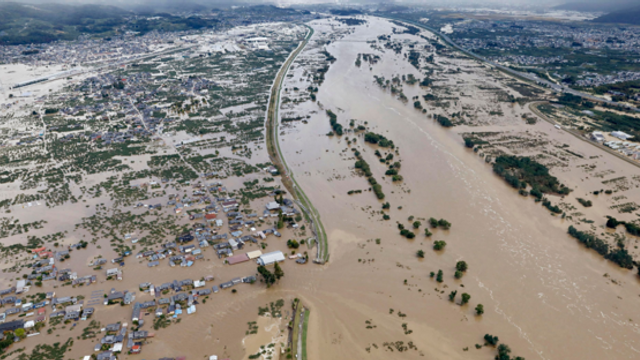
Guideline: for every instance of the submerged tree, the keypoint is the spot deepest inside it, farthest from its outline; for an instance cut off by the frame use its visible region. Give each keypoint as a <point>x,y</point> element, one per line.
<point>439,245</point>
<point>268,277</point>
<point>465,298</point>
<point>491,340</point>
<point>277,271</point>
<point>462,266</point>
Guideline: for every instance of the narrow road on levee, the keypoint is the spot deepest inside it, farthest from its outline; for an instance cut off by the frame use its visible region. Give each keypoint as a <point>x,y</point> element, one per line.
<point>279,162</point>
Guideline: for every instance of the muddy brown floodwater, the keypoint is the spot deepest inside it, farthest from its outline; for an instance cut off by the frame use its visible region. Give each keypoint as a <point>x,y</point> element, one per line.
<point>544,294</point>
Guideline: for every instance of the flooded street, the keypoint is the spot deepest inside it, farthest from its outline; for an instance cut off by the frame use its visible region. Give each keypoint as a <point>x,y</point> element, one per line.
<point>544,294</point>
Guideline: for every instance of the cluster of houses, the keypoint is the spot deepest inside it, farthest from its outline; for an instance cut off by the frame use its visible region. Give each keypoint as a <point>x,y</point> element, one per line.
<point>171,299</point>
<point>30,314</point>
<point>623,146</point>
<point>15,306</point>
<point>44,269</point>
<point>116,336</point>
<point>183,300</point>
<point>207,224</point>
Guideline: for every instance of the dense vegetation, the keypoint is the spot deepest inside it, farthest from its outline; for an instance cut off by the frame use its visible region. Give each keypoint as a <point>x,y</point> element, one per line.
<point>619,256</point>
<point>269,277</point>
<point>333,120</point>
<point>378,139</point>
<point>522,171</point>
<point>443,120</point>
<point>364,166</point>
<point>351,21</point>
<point>585,203</point>
<point>626,87</point>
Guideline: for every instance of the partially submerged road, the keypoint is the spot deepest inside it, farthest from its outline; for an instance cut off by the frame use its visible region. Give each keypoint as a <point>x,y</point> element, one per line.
<point>277,158</point>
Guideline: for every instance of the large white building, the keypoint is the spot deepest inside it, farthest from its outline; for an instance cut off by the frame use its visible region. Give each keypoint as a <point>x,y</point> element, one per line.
<point>597,136</point>
<point>621,135</point>
<point>270,258</point>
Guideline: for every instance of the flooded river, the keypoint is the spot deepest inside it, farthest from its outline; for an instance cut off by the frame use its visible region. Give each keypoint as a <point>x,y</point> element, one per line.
<point>544,294</point>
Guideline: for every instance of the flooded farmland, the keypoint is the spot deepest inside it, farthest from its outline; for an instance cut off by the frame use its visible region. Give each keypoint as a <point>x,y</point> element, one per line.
<point>391,135</point>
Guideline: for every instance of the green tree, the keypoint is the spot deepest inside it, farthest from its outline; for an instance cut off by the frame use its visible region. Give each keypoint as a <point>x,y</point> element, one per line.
<point>491,340</point>
<point>439,276</point>
<point>479,309</point>
<point>452,295</point>
<point>462,266</point>
<point>420,254</point>
<point>416,224</point>
<point>439,245</point>
<point>444,224</point>
<point>503,352</point>
<point>427,233</point>
<point>280,223</point>
<point>433,222</point>
<point>21,333</point>
<point>465,298</point>
<point>277,271</point>
<point>268,277</point>
<point>612,222</point>
<point>458,274</point>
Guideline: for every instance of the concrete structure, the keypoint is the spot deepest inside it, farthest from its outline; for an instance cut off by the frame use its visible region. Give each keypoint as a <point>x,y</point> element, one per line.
<point>621,135</point>
<point>271,258</point>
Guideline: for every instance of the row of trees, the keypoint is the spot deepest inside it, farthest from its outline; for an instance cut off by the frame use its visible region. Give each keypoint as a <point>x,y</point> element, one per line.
<point>378,139</point>
<point>364,166</point>
<point>620,255</point>
<point>442,223</point>
<point>333,120</point>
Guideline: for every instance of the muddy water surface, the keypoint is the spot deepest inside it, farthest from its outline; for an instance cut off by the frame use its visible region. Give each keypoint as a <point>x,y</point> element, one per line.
<point>544,295</point>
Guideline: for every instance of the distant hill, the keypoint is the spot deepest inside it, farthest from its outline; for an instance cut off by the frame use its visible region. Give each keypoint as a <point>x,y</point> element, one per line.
<point>25,24</point>
<point>625,16</point>
<point>345,12</point>
<point>44,23</point>
<point>597,6</point>
<point>63,14</point>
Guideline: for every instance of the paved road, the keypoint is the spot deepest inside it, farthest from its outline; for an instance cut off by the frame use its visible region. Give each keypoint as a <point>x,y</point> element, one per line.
<point>278,159</point>
<point>299,349</point>
<point>553,86</point>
